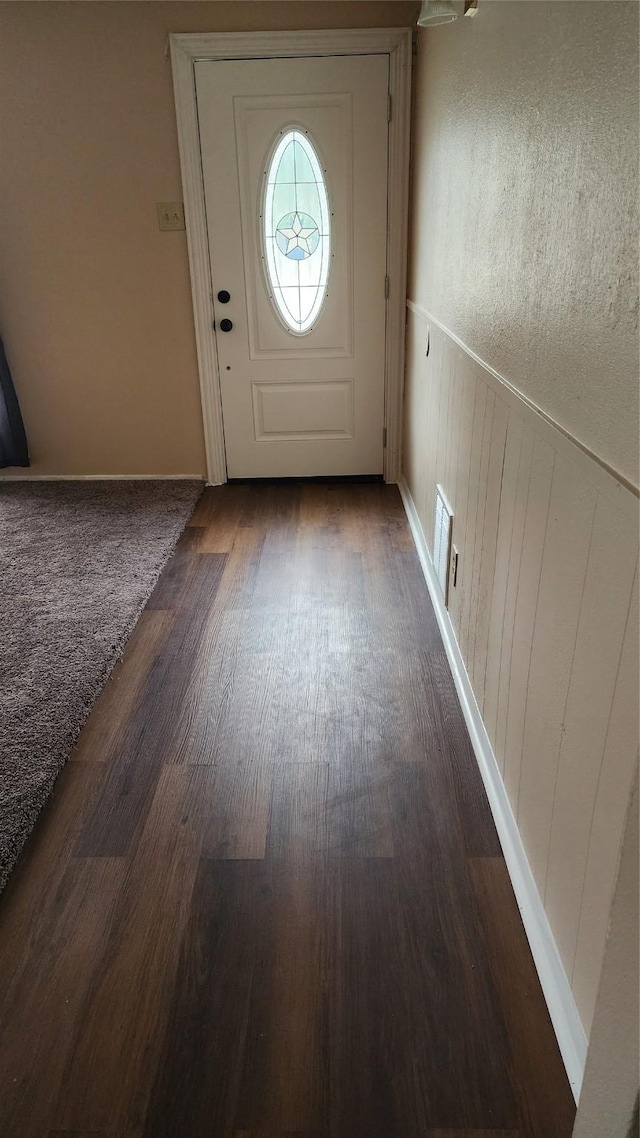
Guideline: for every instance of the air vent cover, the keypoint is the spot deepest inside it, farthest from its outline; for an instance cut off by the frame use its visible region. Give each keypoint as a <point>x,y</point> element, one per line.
<point>442,542</point>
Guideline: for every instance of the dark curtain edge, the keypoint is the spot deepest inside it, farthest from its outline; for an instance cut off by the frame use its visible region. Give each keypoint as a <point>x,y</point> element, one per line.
<point>14,450</point>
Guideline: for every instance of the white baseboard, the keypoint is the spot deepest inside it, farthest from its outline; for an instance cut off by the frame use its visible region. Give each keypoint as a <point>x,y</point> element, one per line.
<point>565,1018</point>
<point>101,477</point>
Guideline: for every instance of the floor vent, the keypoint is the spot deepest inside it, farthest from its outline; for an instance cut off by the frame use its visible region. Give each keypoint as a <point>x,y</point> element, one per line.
<point>442,542</point>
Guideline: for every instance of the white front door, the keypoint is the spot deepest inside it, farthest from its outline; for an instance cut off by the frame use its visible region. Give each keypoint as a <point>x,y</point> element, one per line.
<point>294,159</point>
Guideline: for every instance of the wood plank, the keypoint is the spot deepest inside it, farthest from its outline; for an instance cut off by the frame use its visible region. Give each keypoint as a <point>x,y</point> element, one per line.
<point>197,1086</point>
<point>224,520</point>
<point>238,582</point>
<point>423,424</point>
<point>396,1058</point>
<point>223,630</point>
<point>238,718</point>
<point>359,811</point>
<point>94,1133</point>
<point>106,726</point>
<point>44,1004</point>
<point>273,508</point>
<point>286,1077</point>
<point>473,1134</point>
<point>466,546</point>
<point>589,701</point>
<point>328,517</point>
<point>480,528</point>
<point>615,780</point>
<point>415,399</point>
<point>522,488</point>
<point>453,453</point>
<point>507,502</point>
<point>237,820</point>
<point>464,428</point>
<point>489,550</point>
<point>397,614</point>
<point>445,441</point>
<point>175,580</point>
<point>218,502</point>
<point>324,708</point>
<point>468,796</point>
<point>34,883</point>
<point>298,827</point>
<point>281,1133</point>
<point>433,427</point>
<point>416,624</point>
<point>562,580</point>
<point>545,1104</point>
<point>113,1062</point>
<point>154,729</point>
<point>526,605</point>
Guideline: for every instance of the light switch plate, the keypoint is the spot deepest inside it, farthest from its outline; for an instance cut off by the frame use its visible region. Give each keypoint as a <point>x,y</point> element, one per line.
<point>170,215</point>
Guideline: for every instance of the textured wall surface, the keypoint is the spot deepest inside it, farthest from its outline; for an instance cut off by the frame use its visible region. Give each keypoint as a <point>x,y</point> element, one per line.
<point>525,205</point>
<point>95,302</point>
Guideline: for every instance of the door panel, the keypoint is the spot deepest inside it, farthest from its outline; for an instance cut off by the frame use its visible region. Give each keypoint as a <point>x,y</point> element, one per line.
<point>313,409</point>
<point>311,404</point>
<point>328,118</point>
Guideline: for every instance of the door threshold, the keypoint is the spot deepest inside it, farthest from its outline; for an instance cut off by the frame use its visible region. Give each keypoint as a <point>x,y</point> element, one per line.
<point>314,478</point>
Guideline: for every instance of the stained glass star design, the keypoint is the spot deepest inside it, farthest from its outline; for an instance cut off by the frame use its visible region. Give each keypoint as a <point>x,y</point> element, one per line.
<point>297,236</point>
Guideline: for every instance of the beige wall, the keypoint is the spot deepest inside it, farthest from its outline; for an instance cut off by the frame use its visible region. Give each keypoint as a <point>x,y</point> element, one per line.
<point>546,607</point>
<point>525,227</point>
<point>95,305</point>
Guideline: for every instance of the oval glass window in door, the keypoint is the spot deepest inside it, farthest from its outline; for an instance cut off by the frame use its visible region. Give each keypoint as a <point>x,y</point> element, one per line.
<point>296,231</point>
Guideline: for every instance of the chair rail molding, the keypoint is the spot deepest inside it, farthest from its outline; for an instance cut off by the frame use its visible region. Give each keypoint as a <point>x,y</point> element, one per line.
<point>521,402</point>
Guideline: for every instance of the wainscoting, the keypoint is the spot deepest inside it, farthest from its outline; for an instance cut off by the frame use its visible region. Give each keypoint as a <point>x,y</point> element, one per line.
<point>545,619</point>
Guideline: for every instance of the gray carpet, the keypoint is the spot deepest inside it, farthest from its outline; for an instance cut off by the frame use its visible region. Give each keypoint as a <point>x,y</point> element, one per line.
<point>78,560</point>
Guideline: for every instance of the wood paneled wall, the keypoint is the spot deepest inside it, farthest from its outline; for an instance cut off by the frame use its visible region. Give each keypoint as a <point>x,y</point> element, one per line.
<point>545,612</point>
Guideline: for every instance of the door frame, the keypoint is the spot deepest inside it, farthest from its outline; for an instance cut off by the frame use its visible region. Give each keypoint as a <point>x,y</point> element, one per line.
<point>186,50</point>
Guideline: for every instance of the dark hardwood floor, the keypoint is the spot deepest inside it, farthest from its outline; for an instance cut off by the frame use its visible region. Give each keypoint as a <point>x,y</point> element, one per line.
<point>267,898</point>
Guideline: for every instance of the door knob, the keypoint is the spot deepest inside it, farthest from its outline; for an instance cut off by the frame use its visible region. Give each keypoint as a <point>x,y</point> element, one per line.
<point>226,325</point>
<point>223,296</point>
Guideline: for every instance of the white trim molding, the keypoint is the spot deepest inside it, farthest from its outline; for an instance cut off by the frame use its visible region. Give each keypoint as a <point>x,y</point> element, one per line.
<point>101,478</point>
<point>503,386</point>
<point>185,51</point>
<point>564,1014</point>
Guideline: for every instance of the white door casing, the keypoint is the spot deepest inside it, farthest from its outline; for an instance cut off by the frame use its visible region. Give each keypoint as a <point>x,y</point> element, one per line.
<point>326,347</point>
